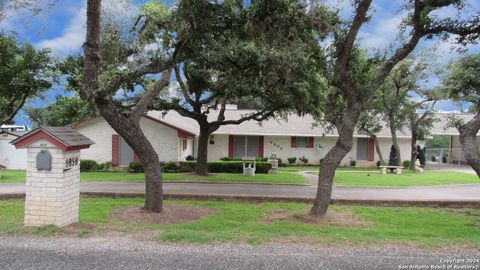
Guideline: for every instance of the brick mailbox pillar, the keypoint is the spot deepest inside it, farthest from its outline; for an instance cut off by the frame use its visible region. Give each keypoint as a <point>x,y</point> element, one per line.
<point>53,175</point>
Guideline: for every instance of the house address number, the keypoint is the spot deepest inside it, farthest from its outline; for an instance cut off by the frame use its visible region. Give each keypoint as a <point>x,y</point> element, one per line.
<point>71,162</point>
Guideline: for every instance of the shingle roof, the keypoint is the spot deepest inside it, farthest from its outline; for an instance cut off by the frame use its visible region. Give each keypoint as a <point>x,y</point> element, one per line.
<point>294,126</point>
<point>67,136</point>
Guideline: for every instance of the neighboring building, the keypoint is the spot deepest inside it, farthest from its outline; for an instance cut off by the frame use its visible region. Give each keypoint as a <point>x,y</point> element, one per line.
<point>13,128</point>
<point>10,157</point>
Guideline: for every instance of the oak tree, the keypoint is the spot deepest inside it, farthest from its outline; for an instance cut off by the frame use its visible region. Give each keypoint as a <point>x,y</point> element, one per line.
<point>351,84</point>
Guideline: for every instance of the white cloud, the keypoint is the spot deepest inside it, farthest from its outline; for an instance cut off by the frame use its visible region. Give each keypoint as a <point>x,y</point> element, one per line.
<point>72,37</point>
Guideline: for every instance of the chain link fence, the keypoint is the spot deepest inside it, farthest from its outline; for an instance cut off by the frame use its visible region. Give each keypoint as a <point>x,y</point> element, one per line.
<point>445,157</point>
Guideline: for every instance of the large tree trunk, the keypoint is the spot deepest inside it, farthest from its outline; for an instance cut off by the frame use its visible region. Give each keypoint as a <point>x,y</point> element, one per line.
<point>134,136</point>
<point>332,160</point>
<point>468,141</point>
<point>202,153</point>
<point>127,126</point>
<point>393,131</point>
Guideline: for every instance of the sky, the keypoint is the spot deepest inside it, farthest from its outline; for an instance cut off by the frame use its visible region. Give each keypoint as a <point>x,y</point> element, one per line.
<point>62,29</point>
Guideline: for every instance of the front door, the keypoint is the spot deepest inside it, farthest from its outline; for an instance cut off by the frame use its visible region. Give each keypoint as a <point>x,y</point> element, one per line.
<point>362,149</point>
<point>126,153</point>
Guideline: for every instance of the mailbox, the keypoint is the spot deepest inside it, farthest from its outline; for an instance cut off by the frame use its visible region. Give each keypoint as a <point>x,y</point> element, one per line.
<point>52,188</point>
<point>44,160</point>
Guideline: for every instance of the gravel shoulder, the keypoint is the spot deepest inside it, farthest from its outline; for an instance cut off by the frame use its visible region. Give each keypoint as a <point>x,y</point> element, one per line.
<point>124,252</point>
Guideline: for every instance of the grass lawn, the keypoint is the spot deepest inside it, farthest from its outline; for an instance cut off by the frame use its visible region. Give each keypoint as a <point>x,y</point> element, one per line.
<point>406,179</point>
<point>13,176</point>
<point>280,178</point>
<point>249,223</point>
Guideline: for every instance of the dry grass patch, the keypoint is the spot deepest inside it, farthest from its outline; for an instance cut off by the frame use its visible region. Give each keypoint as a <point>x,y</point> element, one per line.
<point>171,214</point>
<point>333,218</point>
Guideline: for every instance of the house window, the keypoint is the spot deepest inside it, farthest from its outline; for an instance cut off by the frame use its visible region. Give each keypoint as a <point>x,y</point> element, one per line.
<point>246,146</point>
<point>302,142</point>
<point>184,142</point>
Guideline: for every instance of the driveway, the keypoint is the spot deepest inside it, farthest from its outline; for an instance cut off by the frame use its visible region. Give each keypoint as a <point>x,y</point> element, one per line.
<point>128,253</point>
<point>470,192</point>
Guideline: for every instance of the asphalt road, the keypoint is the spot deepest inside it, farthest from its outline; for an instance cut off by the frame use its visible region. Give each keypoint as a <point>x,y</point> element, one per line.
<point>126,253</point>
<point>468,192</point>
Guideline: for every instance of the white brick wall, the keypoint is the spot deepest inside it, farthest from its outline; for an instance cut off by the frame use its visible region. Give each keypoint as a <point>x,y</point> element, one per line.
<point>52,197</point>
<point>282,146</point>
<point>163,138</point>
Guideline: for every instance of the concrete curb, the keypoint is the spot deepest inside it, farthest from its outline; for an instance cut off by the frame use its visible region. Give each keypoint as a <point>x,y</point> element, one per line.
<point>258,199</point>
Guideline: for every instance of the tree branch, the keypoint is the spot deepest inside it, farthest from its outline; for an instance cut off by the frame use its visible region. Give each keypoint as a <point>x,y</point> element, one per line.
<point>345,53</point>
<point>183,87</point>
<point>150,95</point>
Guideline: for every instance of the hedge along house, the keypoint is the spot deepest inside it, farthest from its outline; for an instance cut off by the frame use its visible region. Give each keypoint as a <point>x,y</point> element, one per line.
<point>295,137</point>
<point>170,142</point>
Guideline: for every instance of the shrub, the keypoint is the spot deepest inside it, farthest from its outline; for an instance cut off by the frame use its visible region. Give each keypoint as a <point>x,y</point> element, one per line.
<point>353,163</point>
<point>321,161</point>
<point>87,165</point>
<point>170,166</point>
<point>189,158</point>
<point>393,158</point>
<point>104,166</point>
<point>304,160</point>
<point>406,163</point>
<point>186,166</point>
<point>378,164</point>
<point>264,159</point>
<point>421,155</point>
<point>280,163</point>
<point>135,167</point>
<point>223,166</point>
<point>230,159</point>
<point>292,160</point>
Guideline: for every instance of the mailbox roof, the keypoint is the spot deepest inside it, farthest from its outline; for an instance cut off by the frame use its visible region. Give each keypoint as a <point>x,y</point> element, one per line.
<point>65,138</point>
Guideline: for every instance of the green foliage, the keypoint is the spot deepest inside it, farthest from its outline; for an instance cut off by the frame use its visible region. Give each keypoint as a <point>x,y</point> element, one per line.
<point>135,167</point>
<point>393,158</point>
<point>65,111</point>
<point>292,160</point>
<point>379,163</point>
<point>462,84</point>
<point>106,166</point>
<point>406,164</point>
<point>353,163</point>
<point>438,141</point>
<point>24,73</point>
<point>304,160</point>
<point>223,166</point>
<point>170,166</point>
<point>87,165</point>
<point>190,158</point>
<point>280,162</point>
<point>422,155</point>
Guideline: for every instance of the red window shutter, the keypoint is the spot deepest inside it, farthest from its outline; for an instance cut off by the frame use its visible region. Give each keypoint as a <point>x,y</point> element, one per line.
<point>260,146</point>
<point>231,145</point>
<point>310,142</point>
<point>115,150</point>
<point>371,149</point>
<point>135,157</point>
<point>293,142</point>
